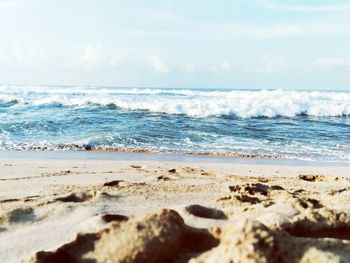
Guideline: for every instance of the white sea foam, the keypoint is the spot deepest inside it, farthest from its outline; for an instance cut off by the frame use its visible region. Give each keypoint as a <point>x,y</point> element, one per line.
<point>197,103</point>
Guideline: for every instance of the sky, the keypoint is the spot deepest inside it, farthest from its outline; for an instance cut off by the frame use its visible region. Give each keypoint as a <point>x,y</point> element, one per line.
<point>240,44</point>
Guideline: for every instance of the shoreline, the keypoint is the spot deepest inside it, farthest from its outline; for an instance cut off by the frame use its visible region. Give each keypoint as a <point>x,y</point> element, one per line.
<point>88,148</point>
<point>162,156</point>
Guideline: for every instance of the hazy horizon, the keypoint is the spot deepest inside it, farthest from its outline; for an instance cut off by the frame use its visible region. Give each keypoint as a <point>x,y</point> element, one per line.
<point>175,88</point>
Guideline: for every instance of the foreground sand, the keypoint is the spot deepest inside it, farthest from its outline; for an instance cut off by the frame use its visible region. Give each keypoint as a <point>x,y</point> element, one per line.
<point>152,211</point>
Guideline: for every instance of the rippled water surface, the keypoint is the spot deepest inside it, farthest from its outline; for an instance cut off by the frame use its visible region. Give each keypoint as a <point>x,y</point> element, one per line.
<point>296,124</point>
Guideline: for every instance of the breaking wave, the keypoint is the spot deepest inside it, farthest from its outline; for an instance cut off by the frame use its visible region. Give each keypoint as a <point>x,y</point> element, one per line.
<point>191,102</point>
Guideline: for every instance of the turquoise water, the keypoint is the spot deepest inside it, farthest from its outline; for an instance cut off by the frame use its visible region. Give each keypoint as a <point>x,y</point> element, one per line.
<point>295,124</point>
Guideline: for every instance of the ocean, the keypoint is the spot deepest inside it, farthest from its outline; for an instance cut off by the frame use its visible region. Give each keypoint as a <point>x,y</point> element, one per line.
<point>303,125</point>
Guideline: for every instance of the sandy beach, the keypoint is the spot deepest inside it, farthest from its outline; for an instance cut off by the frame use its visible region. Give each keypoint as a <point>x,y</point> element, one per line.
<point>100,210</point>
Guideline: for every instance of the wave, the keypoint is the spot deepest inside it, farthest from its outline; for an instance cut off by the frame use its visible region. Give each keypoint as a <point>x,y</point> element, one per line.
<point>191,102</point>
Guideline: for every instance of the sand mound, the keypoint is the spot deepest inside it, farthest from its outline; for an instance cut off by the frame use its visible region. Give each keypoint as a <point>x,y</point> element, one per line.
<point>320,223</point>
<point>248,242</point>
<point>161,237</point>
<point>253,242</point>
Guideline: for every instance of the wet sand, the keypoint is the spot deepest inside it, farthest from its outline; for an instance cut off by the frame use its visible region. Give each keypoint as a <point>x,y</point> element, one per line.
<point>74,210</point>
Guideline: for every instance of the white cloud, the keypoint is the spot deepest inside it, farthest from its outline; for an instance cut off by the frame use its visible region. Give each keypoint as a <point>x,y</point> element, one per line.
<point>333,62</point>
<point>28,57</point>
<point>282,30</point>
<point>91,56</point>
<point>158,65</point>
<point>271,64</point>
<point>225,66</point>
<point>12,3</point>
<point>163,15</point>
<point>114,61</point>
<point>190,67</point>
<point>307,8</point>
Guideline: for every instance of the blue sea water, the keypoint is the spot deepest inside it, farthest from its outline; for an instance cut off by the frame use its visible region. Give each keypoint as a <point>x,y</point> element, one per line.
<point>307,125</point>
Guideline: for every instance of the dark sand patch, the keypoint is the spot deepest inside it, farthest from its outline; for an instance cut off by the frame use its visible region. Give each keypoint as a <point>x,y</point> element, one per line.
<point>76,197</point>
<point>205,212</point>
<point>113,217</point>
<point>312,177</point>
<point>113,183</point>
